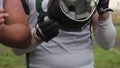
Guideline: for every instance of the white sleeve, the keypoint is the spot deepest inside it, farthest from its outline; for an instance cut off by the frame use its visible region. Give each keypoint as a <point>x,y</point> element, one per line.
<point>105,33</point>
<point>34,45</point>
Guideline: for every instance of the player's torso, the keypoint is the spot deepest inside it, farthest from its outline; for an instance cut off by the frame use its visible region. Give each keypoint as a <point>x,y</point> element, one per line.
<point>63,51</point>
<point>67,50</point>
<point>70,40</point>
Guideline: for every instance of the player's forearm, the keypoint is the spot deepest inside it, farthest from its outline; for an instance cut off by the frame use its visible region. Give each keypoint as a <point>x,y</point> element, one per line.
<point>16,35</point>
<point>15,31</point>
<point>105,33</point>
<point>34,44</point>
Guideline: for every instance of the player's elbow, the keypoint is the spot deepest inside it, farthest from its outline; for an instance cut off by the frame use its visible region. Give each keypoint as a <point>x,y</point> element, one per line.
<point>23,42</point>
<point>20,44</point>
<point>23,38</point>
<point>20,40</point>
<point>106,45</point>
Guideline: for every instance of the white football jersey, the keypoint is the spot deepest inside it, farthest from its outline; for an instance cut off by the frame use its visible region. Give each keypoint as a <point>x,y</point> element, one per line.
<point>66,50</point>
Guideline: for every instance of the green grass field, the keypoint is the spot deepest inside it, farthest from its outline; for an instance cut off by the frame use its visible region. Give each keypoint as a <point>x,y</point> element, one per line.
<point>103,59</point>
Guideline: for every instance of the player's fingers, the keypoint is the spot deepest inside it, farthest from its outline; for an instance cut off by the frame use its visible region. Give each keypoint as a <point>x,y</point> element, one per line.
<point>2,20</point>
<point>1,10</point>
<point>2,15</point>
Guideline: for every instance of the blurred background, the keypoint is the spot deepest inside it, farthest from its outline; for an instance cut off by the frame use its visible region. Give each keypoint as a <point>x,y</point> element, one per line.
<point>103,59</point>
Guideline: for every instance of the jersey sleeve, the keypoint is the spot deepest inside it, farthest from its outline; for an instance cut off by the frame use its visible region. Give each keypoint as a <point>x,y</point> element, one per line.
<point>105,33</point>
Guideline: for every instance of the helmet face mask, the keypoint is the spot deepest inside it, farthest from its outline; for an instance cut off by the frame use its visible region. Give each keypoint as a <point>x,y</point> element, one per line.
<point>78,10</point>
<point>72,14</point>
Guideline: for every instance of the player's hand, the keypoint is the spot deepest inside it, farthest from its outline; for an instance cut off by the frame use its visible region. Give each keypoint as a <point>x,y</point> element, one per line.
<point>103,7</point>
<point>2,16</point>
<point>47,30</point>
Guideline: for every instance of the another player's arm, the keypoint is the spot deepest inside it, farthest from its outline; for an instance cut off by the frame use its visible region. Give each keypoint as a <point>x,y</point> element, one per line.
<point>15,31</point>
<point>105,33</point>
